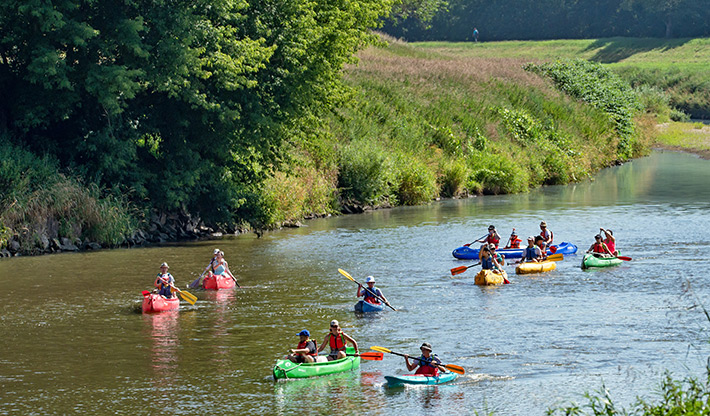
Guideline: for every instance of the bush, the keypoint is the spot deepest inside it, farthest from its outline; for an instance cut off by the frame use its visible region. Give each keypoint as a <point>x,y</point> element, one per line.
<point>416,183</point>
<point>678,115</point>
<point>366,174</point>
<point>453,178</point>
<point>654,100</point>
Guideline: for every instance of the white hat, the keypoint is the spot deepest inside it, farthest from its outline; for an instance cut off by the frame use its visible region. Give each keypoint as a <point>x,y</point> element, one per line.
<point>334,323</point>
<point>369,279</point>
<point>165,265</point>
<point>215,251</point>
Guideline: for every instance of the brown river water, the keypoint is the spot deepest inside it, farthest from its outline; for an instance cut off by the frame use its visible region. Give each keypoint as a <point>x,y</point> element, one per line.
<point>73,340</point>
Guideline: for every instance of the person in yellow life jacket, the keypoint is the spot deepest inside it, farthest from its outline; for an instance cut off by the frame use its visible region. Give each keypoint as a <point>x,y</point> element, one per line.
<point>429,364</point>
<point>306,351</point>
<point>337,340</point>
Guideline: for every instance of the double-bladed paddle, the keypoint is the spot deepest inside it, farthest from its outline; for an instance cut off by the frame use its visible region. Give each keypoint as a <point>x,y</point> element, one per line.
<point>461,269</point>
<point>455,368</point>
<point>346,274</point>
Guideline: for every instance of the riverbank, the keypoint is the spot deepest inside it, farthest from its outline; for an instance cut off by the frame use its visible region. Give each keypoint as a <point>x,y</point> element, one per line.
<point>685,137</point>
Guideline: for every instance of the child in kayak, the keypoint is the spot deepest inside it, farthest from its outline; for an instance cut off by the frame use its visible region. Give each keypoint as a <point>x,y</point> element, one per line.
<point>306,351</point>
<point>371,293</point>
<point>337,340</point>
<point>532,252</point>
<point>514,241</point>
<point>610,241</point>
<point>164,281</point>
<point>429,364</point>
<point>599,249</point>
<point>490,259</point>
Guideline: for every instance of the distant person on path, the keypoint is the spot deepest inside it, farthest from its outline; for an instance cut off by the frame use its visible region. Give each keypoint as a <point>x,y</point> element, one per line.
<point>475,34</point>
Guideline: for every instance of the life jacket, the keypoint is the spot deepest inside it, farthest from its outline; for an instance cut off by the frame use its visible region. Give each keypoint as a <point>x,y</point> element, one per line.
<point>530,253</point>
<point>337,343</point>
<point>304,344</point>
<point>611,245</point>
<point>544,234</point>
<point>599,248</point>
<point>425,366</point>
<point>491,239</point>
<point>515,243</point>
<point>162,282</point>
<point>370,295</point>
<point>487,262</point>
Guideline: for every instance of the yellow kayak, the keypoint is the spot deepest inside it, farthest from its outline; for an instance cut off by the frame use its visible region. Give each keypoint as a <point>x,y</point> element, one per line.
<point>489,277</point>
<point>534,267</point>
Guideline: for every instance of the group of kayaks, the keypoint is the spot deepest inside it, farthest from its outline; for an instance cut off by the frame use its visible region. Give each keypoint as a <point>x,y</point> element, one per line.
<point>153,302</point>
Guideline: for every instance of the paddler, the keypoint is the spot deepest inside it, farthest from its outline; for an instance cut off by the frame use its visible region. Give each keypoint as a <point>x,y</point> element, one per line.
<point>306,351</point>
<point>546,235</point>
<point>491,238</point>
<point>490,260</point>
<point>599,249</point>
<point>532,252</point>
<point>610,241</point>
<point>513,241</point>
<point>429,364</point>
<point>371,293</point>
<point>540,244</point>
<point>164,281</point>
<point>219,266</point>
<point>337,340</point>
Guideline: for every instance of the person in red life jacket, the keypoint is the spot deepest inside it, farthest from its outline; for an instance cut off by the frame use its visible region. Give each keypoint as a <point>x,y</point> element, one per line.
<point>371,293</point>
<point>546,235</point>
<point>164,281</point>
<point>306,351</point>
<point>610,241</point>
<point>599,249</point>
<point>337,340</point>
<point>429,364</point>
<point>492,238</point>
<point>513,241</point>
<point>532,253</point>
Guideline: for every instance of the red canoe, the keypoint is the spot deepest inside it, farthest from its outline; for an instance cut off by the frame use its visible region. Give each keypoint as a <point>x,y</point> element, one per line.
<point>153,302</point>
<point>217,282</point>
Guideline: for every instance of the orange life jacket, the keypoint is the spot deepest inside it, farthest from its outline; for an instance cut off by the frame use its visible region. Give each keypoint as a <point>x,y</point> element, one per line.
<point>302,345</point>
<point>337,343</point>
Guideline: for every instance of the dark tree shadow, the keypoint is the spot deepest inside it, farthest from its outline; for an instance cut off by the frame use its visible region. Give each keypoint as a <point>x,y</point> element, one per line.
<point>613,50</point>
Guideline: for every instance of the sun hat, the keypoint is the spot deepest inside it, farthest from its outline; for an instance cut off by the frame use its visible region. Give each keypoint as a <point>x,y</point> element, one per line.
<point>369,279</point>
<point>165,265</point>
<point>216,251</point>
<point>426,346</point>
<point>491,227</point>
<point>543,223</point>
<point>531,238</point>
<point>304,332</point>
<point>334,323</point>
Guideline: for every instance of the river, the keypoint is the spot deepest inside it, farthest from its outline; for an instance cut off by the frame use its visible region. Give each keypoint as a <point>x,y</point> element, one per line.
<point>74,342</point>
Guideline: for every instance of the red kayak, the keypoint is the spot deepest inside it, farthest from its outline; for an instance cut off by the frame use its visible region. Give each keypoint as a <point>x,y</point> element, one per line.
<point>153,302</point>
<point>217,282</point>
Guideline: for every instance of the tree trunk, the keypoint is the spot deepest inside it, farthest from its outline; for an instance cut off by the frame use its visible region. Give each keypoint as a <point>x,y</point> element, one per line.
<point>669,27</point>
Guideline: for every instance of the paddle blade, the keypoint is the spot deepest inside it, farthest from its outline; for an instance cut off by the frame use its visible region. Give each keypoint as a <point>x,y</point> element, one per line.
<point>346,274</point>
<point>145,293</point>
<point>624,258</point>
<point>556,257</point>
<point>553,249</point>
<point>195,284</point>
<point>380,349</point>
<point>458,270</point>
<point>188,297</point>
<point>371,356</point>
<point>455,368</point>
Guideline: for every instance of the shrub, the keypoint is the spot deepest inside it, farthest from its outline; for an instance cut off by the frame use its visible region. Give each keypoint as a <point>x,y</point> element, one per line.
<point>678,115</point>
<point>416,184</point>
<point>654,100</point>
<point>365,174</point>
<point>453,179</point>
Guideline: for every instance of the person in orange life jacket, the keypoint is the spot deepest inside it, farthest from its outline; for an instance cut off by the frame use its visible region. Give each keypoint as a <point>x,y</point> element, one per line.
<point>429,364</point>
<point>514,241</point>
<point>163,281</point>
<point>532,252</point>
<point>370,292</point>
<point>492,238</point>
<point>599,249</point>
<point>306,351</point>
<point>546,235</point>
<point>610,241</point>
<point>337,340</point>
<point>490,259</point>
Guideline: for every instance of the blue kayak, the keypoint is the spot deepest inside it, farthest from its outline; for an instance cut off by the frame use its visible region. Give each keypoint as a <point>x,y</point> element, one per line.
<point>363,306</point>
<point>396,381</point>
<point>469,253</point>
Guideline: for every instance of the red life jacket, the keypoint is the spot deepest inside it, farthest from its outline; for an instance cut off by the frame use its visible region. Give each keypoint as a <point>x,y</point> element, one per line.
<point>544,234</point>
<point>611,245</point>
<point>599,248</point>
<point>426,369</point>
<point>337,343</point>
<point>491,239</point>
<point>302,345</point>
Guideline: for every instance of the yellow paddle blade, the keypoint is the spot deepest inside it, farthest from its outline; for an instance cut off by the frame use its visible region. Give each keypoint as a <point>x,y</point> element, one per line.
<point>346,274</point>
<point>188,297</point>
<point>380,349</point>
<point>556,257</point>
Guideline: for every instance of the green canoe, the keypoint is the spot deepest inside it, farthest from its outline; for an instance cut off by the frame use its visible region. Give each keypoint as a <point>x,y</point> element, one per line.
<point>590,261</point>
<point>287,369</point>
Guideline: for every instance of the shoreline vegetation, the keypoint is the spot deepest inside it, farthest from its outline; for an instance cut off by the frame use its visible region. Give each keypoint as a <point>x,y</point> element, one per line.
<point>414,122</point>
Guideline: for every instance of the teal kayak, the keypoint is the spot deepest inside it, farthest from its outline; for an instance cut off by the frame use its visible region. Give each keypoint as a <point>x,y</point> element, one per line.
<point>287,369</point>
<point>590,260</point>
<point>395,381</point>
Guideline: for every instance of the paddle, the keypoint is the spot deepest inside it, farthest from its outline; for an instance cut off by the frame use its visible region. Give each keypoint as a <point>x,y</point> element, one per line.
<point>187,296</point>
<point>455,368</point>
<point>624,258</point>
<point>346,274</point>
<point>461,269</point>
<point>196,283</point>
<point>371,356</point>
<point>467,245</point>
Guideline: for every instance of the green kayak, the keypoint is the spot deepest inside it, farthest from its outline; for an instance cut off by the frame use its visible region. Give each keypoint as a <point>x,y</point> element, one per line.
<point>287,369</point>
<point>590,260</point>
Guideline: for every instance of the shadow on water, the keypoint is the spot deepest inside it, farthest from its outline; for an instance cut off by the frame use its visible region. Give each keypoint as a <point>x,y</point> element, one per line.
<point>612,50</point>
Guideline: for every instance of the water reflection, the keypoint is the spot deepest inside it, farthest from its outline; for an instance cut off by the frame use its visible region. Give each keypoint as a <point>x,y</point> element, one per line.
<point>164,343</point>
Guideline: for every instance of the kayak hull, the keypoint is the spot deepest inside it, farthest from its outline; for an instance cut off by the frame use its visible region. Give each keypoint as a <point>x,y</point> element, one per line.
<point>488,277</point>
<point>218,282</point>
<point>154,302</point>
<point>396,381</point>
<point>535,267</point>
<point>468,253</point>
<point>285,369</point>
<point>590,261</point>
<point>364,307</point>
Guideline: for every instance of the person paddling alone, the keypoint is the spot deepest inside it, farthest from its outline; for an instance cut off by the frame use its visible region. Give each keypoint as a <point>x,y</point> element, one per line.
<point>599,249</point>
<point>371,293</point>
<point>429,364</point>
<point>164,281</point>
<point>337,340</point>
<point>306,351</point>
